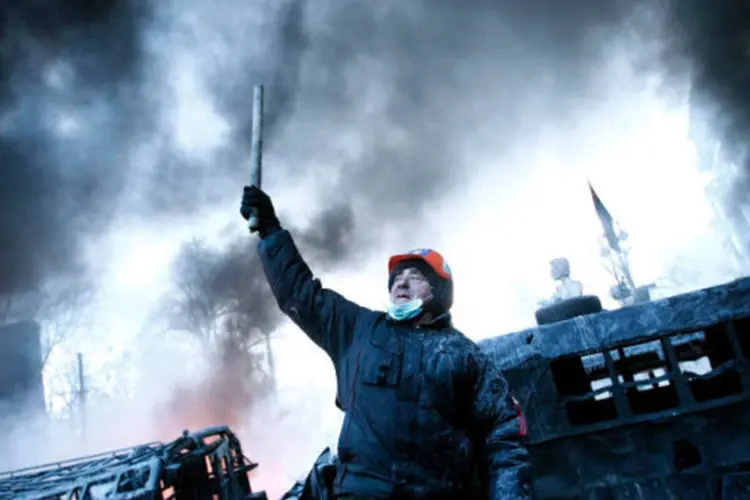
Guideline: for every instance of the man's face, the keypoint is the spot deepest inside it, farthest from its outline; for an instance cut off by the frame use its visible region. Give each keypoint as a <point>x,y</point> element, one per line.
<point>410,284</point>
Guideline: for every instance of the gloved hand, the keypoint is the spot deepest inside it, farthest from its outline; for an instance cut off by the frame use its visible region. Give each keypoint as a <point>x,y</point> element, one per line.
<point>254,199</point>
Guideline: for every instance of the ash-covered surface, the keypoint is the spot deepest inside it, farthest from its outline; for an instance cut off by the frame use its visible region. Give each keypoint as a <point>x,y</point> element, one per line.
<point>649,401</point>
<point>691,311</point>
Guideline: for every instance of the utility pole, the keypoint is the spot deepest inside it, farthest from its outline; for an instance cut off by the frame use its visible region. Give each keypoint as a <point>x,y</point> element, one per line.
<point>81,393</point>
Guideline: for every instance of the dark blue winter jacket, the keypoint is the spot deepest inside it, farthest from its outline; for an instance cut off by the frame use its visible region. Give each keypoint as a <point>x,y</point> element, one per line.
<point>427,414</point>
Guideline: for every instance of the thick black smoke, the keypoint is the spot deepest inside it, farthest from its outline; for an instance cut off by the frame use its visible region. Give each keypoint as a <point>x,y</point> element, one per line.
<point>377,101</point>
<point>376,104</point>
<point>238,46</point>
<point>69,110</point>
<point>391,95</point>
<point>80,98</point>
<point>380,103</point>
<point>711,40</point>
<point>221,296</point>
<point>375,108</point>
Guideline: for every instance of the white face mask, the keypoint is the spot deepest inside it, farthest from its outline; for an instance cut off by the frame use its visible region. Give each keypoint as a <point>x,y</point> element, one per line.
<point>406,311</point>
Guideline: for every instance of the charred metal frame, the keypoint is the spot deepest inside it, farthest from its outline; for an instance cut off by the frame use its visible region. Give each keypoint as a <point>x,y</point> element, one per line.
<point>205,464</point>
<point>649,401</point>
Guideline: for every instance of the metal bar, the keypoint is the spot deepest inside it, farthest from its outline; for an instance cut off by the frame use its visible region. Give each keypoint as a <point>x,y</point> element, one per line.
<point>673,365</point>
<point>256,150</point>
<point>624,385</point>
<point>742,361</point>
<point>649,418</point>
<point>621,401</point>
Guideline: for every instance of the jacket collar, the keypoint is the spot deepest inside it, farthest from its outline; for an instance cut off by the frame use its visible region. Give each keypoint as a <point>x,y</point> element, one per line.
<point>440,322</point>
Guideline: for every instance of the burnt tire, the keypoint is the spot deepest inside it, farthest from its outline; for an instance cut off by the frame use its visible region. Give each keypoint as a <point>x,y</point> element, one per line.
<point>568,308</point>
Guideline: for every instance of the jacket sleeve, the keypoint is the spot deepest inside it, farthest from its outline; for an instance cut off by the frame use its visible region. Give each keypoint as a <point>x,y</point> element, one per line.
<point>325,316</point>
<point>500,430</point>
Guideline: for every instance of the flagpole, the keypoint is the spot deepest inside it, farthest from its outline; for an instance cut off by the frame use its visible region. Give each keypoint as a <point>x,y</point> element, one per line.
<point>622,264</point>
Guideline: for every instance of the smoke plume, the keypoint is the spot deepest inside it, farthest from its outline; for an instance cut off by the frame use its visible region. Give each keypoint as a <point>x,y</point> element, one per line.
<point>379,104</point>
<point>376,114</point>
<point>69,94</point>
<point>393,96</point>
<point>710,41</point>
<point>376,107</point>
<point>380,100</point>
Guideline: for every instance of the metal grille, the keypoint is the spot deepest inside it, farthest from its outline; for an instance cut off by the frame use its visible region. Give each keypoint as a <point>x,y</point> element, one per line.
<point>672,374</point>
<point>206,464</point>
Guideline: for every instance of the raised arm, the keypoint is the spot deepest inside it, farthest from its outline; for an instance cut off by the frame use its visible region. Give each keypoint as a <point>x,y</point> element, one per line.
<point>325,316</point>
<point>500,431</point>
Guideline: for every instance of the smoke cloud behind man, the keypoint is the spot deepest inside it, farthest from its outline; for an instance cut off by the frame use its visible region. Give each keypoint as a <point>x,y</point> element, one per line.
<point>130,114</point>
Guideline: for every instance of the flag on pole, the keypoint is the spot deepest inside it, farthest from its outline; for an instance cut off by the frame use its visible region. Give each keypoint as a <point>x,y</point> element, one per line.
<point>608,222</point>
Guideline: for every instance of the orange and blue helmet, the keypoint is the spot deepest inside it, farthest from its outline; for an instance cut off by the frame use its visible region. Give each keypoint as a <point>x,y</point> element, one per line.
<point>435,268</point>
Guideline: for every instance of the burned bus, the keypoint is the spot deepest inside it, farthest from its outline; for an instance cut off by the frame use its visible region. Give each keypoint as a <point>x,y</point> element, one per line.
<point>648,401</point>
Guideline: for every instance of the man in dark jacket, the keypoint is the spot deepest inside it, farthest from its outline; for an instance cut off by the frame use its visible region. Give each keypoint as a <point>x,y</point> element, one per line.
<point>427,414</point>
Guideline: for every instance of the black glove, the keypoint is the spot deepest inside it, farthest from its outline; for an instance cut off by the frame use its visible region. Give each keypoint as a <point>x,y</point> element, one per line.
<point>255,200</point>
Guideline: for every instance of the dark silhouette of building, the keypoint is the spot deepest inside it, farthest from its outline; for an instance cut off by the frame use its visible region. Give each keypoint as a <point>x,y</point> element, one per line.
<point>21,386</point>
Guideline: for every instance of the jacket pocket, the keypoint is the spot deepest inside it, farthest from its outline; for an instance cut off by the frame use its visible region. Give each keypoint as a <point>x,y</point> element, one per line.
<point>382,363</point>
